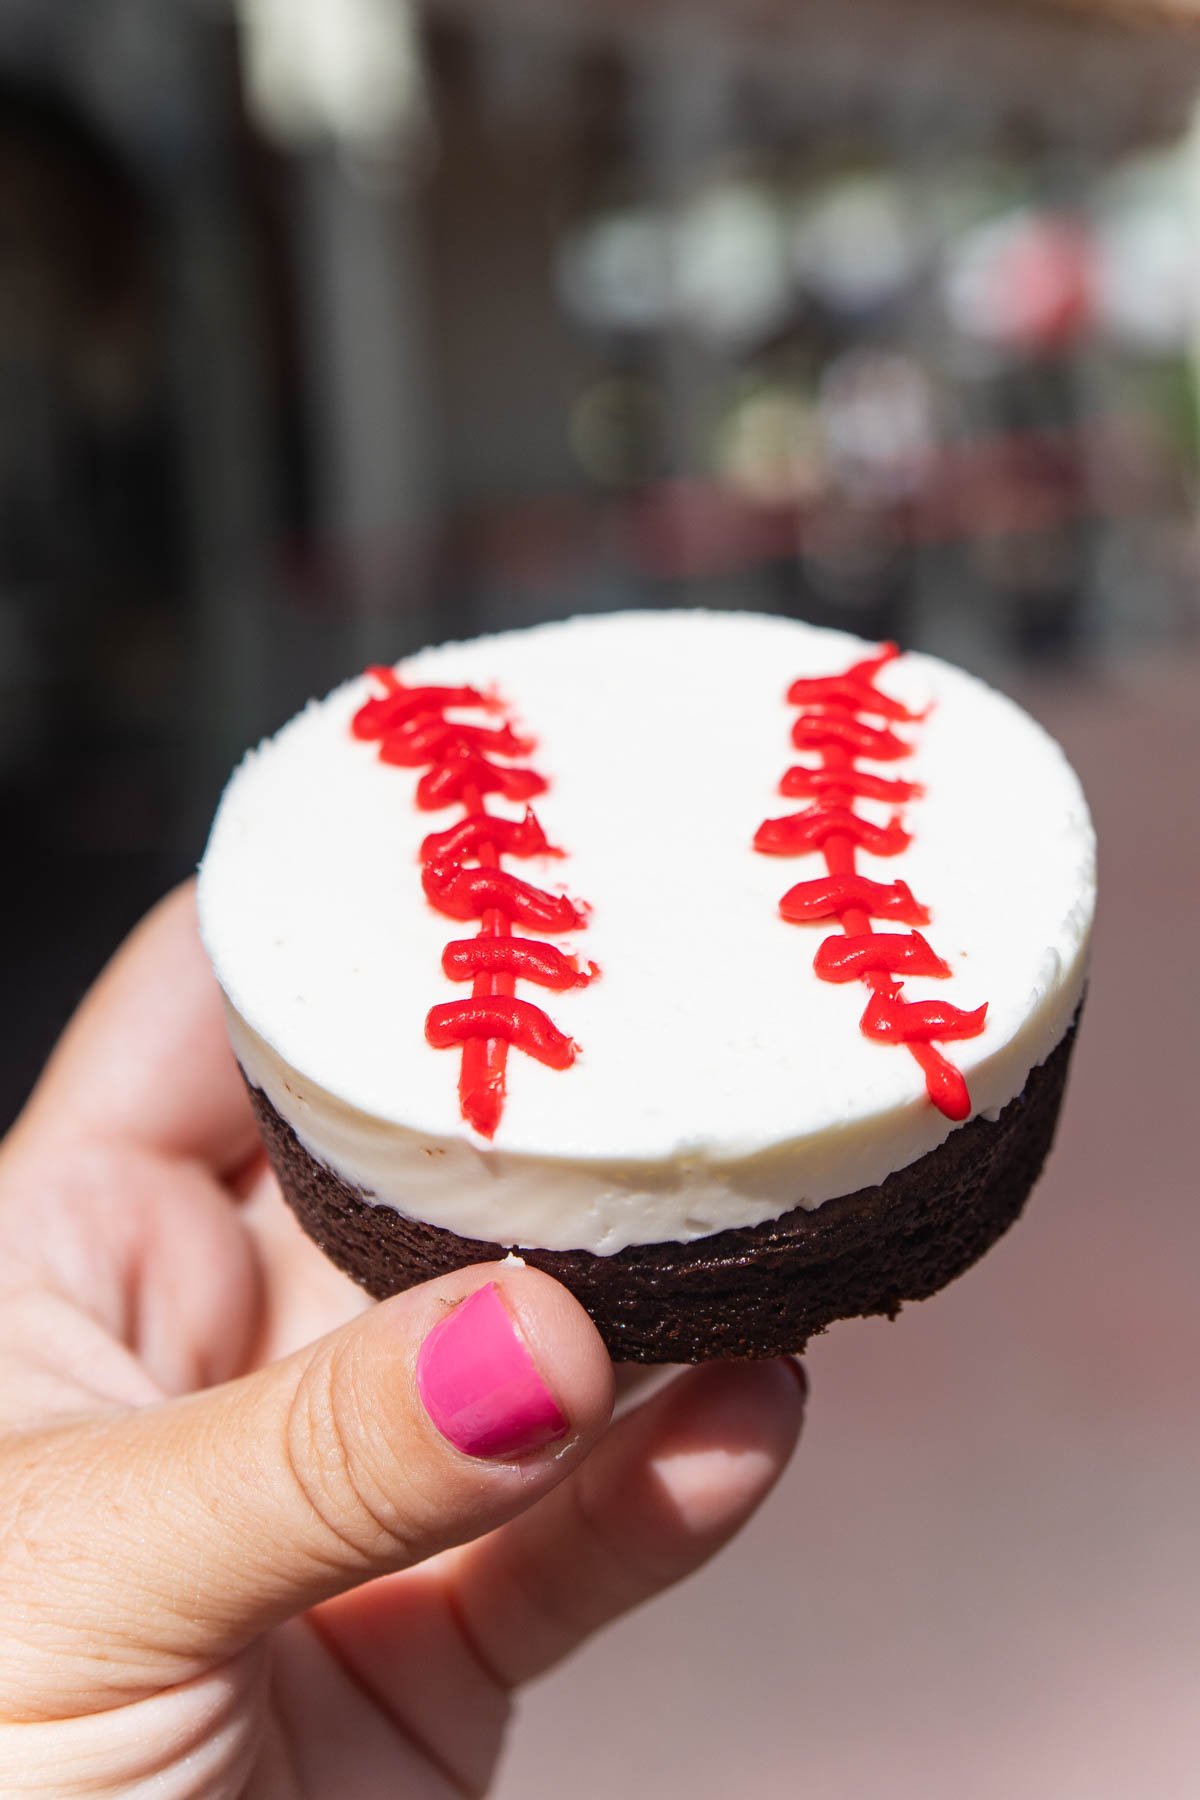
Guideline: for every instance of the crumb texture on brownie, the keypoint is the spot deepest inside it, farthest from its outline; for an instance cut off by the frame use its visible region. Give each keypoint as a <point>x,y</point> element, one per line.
<point>755,1292</point>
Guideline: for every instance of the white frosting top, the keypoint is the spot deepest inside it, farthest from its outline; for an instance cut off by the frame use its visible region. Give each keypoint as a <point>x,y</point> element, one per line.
<point>719,1082</point>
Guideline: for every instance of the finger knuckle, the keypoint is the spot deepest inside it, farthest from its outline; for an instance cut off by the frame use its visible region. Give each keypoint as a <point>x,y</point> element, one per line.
<point>331,1455</point>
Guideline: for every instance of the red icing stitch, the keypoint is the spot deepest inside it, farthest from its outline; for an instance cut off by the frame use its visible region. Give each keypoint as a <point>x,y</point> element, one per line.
<point>462,878</point>
<point>513,837</point>
<point>829,898</point>
<point>460,773</point>
<point>832,728</point>
<point>544,964</point>
<point>877,953</point>
<point>514,1021</point>
<point>800,784</point>
<point>472,893</point>
<point>808,830</point>
<point>418,741</point>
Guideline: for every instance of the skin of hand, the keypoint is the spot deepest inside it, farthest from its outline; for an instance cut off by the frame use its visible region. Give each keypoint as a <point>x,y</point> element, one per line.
<point>238,1557</point>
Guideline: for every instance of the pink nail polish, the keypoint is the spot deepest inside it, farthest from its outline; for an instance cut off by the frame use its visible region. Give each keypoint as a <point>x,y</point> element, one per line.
<point>480,1386</point>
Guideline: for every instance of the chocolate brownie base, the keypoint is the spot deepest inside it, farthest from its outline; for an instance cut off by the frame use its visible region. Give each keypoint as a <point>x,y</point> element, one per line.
<point>759,1290</point>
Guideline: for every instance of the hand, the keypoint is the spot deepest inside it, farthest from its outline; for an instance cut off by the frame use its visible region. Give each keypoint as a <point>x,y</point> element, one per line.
<point>237,1554</point>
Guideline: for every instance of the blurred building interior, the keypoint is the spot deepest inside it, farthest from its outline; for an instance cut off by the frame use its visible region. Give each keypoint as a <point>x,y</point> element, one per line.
<point>328,331</point>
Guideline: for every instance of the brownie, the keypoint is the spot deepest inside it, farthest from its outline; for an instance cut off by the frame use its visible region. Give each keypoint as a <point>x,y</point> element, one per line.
<point>755,1291</point>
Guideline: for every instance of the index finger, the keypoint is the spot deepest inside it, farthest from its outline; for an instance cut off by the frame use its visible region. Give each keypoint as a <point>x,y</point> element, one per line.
<point>146,1058</point>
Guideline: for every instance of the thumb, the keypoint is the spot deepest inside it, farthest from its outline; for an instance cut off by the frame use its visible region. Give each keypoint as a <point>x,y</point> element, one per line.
<point>177,1533</point>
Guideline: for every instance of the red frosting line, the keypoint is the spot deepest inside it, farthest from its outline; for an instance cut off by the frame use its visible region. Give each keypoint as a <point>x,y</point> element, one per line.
<point>798,832</point>
<point>833,895</point>
<point>416,742</point>
<point>375,718</point>
<point>826,729</point>
<point>462,877</point>
<point>545,964</point>
<point>919,1021</point>
<point>471,893</point>
<point>857,692</point>
<point>877,953</point>
<point>514,1021</point>
<point>460,773</point>
<point>513,837</point>
<point>801,784</point>
<point>833,727</point>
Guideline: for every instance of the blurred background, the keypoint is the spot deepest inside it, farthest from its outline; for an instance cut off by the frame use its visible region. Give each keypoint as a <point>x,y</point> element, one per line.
<point>329,329</point>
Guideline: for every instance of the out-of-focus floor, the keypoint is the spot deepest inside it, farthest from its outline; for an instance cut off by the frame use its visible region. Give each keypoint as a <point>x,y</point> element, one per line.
<point>981,1578</point>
